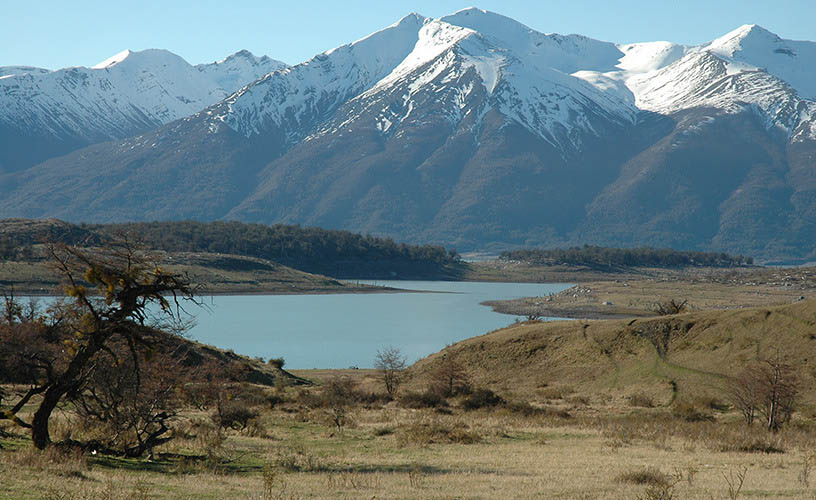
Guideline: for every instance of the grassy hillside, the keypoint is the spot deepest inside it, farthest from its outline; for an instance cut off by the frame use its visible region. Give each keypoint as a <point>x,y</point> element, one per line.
<point>683,356</point>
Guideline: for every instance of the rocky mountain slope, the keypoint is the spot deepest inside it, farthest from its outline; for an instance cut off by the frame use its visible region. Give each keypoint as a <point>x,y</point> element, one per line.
<point>474,130</point>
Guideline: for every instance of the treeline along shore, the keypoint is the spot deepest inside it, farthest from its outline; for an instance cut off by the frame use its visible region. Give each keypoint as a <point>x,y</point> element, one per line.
<point>335,253</point>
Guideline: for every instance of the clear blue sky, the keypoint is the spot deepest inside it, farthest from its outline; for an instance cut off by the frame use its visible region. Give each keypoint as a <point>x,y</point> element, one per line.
<point>59,33</point>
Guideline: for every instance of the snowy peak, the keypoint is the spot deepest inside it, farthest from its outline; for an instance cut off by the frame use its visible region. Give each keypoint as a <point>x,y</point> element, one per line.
<point>748,37</point>
<point>241,54</point>
<point>238,70</point>
<point>384,48</point>
<point>148,59</point>
<point>244,58</point>
<point>294,98</point>
<point>113,60</point>
<point>559,87</point>
<point>649,56</point>
<point>566,53</point>
<point>434,38</point>
<point>789,60</point>
<point>506,32</point>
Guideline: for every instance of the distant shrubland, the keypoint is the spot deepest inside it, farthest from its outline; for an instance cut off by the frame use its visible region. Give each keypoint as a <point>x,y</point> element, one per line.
<point>605,257</point>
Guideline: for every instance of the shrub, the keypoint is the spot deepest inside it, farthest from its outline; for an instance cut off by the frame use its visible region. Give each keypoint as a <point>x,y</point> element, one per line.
<point>746,441</point>
<point>660,486</point>
<point>274,400</point>
<point>557,392</point>
<point>433,430</point>
<point>526,409</point>
<point>255,428</point>
<point>641,400</point>
<point>383,431</point>
<point>309,399</point>
<point>427,399</point>
<point>650,476</point>
<point>691,412</point>
<point>276,362</point>
<point>669,307</point>
<point>234,415</point>
<point>482,398</point>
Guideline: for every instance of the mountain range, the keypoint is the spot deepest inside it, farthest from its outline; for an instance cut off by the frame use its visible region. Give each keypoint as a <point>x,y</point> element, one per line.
<point>50,113</point>
<point>471,130</point>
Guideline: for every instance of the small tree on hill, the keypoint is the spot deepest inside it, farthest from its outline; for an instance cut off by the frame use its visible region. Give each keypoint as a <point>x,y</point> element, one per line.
<point>390,362</point>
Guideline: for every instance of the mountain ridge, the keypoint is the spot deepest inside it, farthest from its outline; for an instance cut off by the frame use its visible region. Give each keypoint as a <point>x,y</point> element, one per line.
<point>129,93</point>
<point>476,131</point>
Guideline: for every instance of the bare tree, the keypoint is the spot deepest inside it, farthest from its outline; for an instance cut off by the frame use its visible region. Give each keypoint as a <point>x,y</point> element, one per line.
<point>448,375</point>
<point>768,388</point>
<point>780,387</point>
<point>671,306</point>
<point>390,362</point>
<point>745,394</point>
<point>339,393</point>
<point>58,354</point>
<point>133,407</point>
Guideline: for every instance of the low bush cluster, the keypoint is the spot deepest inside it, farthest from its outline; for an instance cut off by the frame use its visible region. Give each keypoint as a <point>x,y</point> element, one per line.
<point>427,399</point>
<point>482,398</point>
<point>691,412</point>
<point>527,410</point>
<point>649,476</point>
<point>434,431</point>
<point>641,400</point>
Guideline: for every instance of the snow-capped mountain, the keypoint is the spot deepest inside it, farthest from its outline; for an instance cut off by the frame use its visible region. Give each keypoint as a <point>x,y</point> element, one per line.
<point>128,93</point>
<point>476,131</point>
<point>526,73</point>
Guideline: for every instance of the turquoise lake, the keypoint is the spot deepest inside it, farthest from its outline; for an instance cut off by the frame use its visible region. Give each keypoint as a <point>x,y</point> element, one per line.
<point>343,330</point>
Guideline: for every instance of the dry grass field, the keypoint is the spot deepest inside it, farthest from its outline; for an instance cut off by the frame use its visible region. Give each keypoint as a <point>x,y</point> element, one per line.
<point>393,452</point>
<point>588,410</point>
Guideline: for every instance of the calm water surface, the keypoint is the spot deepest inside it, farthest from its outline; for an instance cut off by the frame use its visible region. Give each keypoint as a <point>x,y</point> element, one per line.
<point>342,330</point>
